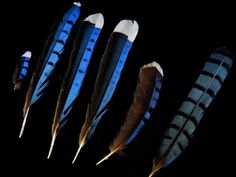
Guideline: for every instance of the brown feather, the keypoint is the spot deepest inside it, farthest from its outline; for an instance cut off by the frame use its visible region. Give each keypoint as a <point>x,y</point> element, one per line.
<point>142,96</point>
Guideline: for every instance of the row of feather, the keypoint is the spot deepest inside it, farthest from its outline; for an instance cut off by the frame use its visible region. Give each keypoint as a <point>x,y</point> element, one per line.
<point>146,95</point>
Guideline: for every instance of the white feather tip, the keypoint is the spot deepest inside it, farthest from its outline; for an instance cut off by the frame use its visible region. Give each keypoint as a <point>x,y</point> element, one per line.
<point>96,19</point>
<point>77,4</point>
<point>155,65</point>
<point>27,54</point>
<point>128,28</point>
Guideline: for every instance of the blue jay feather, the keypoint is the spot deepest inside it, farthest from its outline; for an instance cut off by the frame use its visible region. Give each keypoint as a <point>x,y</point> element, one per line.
<point>112,63</point>
<point>50,56</point>
<point>145,99</point>
<point>185,122</point>
<point>80,58</point>
<point>21,70</point>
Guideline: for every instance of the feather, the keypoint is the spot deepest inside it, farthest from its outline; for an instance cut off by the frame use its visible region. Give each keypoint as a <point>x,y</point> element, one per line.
<point>145,99</point>
<point>110,68</point>
<point>53,49</point>
<point>186,120</point>
<point>21,70</point>
<point>80,57</point>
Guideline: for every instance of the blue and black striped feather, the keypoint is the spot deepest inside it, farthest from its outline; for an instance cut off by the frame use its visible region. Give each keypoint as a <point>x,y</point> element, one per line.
<point>21,70</point>
<point>54,47</point>
<point>109,72</point>
<point>203,92</point>
<point>50,56</point>
<point>80,58</point>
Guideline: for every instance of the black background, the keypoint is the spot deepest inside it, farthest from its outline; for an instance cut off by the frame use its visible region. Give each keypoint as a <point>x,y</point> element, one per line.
<point>179,36</point>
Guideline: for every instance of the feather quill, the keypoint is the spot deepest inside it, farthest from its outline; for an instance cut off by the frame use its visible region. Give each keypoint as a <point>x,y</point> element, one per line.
<point>186,120</point>
<point>110,69</point>
<point>53,49</point>
<point>80,58</point>
<point>21,70</point>
<point>145,99</point>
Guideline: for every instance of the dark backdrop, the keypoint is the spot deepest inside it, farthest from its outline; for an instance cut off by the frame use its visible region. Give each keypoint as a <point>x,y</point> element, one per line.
<point>179,36</point>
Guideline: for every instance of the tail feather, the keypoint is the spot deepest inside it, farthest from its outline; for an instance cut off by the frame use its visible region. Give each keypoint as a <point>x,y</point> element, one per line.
<point>21,70</point>
<point>110,69</point>
<point>203,92</point>
<point>145,99</point>
<point>79,60</point>
<point>54,47</point>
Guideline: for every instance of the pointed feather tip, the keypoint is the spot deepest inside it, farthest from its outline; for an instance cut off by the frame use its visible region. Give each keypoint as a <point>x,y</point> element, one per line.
<point>152,173</point>
<point>96,19</point>
<point>17,86</point>
<point>24,122</point>
<point>27,54</point>
<point>155,65</point>
<point>129,28</point>
<point>77,4</point>
<point>106,157</point>
<point>52,145</point>
<point>78,151</point>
